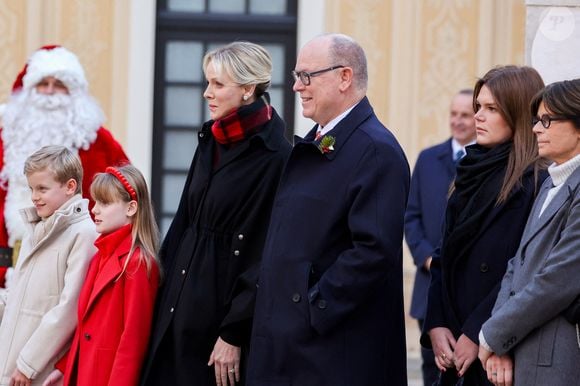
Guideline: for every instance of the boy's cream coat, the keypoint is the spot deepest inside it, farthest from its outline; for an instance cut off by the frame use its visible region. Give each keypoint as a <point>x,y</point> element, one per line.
<point>39,311</point>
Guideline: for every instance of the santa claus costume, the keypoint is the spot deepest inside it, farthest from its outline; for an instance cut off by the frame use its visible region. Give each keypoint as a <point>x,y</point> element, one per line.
<point>31,120</point>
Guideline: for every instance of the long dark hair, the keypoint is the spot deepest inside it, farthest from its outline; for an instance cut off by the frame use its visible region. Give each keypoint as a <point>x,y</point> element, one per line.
<point>513,88</point>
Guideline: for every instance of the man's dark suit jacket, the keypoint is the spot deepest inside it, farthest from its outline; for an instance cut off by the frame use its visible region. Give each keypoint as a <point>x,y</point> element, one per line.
<point>432,177</point>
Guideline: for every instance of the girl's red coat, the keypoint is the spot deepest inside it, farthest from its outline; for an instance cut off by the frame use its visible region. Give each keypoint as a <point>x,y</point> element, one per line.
<point>114,314</point>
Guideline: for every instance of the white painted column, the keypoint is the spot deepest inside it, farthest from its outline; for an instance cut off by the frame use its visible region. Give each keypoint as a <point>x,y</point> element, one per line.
<point>553,38</point>
<point>140,77</point>
<point>311,23</point>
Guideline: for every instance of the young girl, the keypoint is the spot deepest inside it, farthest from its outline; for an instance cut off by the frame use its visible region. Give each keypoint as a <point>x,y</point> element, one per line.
<point>117,299</point>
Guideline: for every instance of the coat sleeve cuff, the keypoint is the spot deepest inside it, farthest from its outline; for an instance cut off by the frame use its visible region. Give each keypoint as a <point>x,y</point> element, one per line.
<point>483,342</point>
<point>236,334</point>
<point>422,254</point>
<point>25,368</point>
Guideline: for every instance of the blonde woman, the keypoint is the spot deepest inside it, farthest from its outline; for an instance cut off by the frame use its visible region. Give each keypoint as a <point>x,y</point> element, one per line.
<point>213,248</point>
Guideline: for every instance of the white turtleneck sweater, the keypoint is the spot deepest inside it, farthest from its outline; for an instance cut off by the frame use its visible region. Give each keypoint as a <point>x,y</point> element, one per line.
<point>559,174</point>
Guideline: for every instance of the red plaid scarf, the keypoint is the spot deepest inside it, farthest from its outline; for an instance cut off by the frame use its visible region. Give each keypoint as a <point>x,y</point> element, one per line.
<point>242,123</point>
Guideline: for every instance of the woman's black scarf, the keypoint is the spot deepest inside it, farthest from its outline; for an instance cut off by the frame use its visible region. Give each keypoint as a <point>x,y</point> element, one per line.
<point>480,176</point>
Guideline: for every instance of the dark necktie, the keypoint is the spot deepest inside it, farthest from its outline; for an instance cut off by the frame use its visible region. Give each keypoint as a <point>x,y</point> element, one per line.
<point>458,155</point>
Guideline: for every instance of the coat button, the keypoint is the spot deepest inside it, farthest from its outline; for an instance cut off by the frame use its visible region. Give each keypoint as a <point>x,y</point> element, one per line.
<point>201,135</point>
<point>236,253</point>
<point>512,293</point>
<point>240,237</point>
<point>321,304</point>
<point>483,267</point>
<point>296,298</point>
<point>78,210</point>
<point>172,309</point>
<point>183,271</point>
<point>87,336</point>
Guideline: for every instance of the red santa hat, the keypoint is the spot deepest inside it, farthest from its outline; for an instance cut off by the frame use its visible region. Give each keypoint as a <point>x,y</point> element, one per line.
<point>52,60</point>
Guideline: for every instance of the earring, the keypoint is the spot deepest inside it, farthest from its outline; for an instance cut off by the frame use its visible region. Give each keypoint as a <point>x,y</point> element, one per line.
<point>245,97</point>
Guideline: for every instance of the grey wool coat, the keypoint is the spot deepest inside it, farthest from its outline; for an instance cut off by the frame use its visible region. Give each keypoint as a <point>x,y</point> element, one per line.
<point>540,283</point>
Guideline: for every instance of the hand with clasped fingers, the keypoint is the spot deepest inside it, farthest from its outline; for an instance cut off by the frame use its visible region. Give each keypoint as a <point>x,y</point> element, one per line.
<point>465,354</point>
<point>226,360</point>
<point>443,344</point>
<point>499,368</point>
<point>55,378</point>
<point>19,379</point>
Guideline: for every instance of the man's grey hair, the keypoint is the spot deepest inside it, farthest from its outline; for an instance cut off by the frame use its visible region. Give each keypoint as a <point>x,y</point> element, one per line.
<point>345,51</point>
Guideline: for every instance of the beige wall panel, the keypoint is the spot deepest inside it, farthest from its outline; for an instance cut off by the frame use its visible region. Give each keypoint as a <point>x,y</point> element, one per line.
<point>89,32</point>
<point>367,22</point>
<point>446,64</point>
<point>86,27</point>
<point>517,47</point>
<point>12,34</point>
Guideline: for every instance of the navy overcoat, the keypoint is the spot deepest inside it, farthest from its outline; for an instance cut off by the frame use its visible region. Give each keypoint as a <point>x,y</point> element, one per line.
<point>430,183</point>
<point>330,298</point>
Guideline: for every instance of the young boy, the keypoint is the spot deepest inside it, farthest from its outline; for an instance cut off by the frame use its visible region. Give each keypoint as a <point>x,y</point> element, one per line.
<point>39,310</point>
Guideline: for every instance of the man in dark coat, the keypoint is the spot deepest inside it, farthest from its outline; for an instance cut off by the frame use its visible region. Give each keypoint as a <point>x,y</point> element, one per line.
<point>432,176</point>
<point>330,299</point>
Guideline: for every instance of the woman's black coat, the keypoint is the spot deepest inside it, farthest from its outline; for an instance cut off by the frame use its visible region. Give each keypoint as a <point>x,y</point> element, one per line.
<point>464,287</point>
<point>211,255</point>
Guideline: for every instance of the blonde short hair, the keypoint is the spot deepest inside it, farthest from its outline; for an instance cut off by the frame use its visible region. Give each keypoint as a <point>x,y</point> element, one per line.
<point>245,62</point>
<point>62,162</point>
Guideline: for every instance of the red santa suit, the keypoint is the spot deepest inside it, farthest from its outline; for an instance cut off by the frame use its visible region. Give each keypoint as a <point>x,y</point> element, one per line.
<point>31,120</point>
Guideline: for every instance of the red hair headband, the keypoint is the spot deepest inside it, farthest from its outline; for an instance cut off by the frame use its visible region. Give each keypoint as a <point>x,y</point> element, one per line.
<point>123,180</point>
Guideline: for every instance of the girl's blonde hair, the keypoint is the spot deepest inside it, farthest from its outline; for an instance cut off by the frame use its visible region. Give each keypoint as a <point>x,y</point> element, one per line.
<point>59,160</point>
<point>108,188</point>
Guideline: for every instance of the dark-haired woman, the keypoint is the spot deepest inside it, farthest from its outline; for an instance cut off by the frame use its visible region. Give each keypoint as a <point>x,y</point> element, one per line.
<point>493,193</point>
<point>533,317</point>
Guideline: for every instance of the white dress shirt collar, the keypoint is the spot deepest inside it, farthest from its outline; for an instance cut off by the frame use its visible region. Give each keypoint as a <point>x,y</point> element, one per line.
<point>332,124</point>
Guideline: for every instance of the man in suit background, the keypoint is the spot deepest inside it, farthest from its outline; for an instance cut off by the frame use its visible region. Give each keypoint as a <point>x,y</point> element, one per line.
<point>329,309</point>
<point>432,177</point>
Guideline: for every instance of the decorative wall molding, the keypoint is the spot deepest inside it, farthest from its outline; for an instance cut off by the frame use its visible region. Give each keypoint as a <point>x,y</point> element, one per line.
<point>12,58</point>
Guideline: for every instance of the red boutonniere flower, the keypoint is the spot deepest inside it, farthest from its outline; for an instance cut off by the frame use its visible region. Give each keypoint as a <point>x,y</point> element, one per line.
<point>326,144</point>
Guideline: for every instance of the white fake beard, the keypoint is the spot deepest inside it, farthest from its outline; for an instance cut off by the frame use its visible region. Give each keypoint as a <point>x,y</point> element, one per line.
<point>31,121</point>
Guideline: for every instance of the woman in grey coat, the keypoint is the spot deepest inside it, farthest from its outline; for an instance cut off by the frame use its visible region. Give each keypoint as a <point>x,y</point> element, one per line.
<point>528,340</point>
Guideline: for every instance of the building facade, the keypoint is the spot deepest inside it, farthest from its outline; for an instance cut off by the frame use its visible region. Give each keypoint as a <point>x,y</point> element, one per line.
<point>143,62</point>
